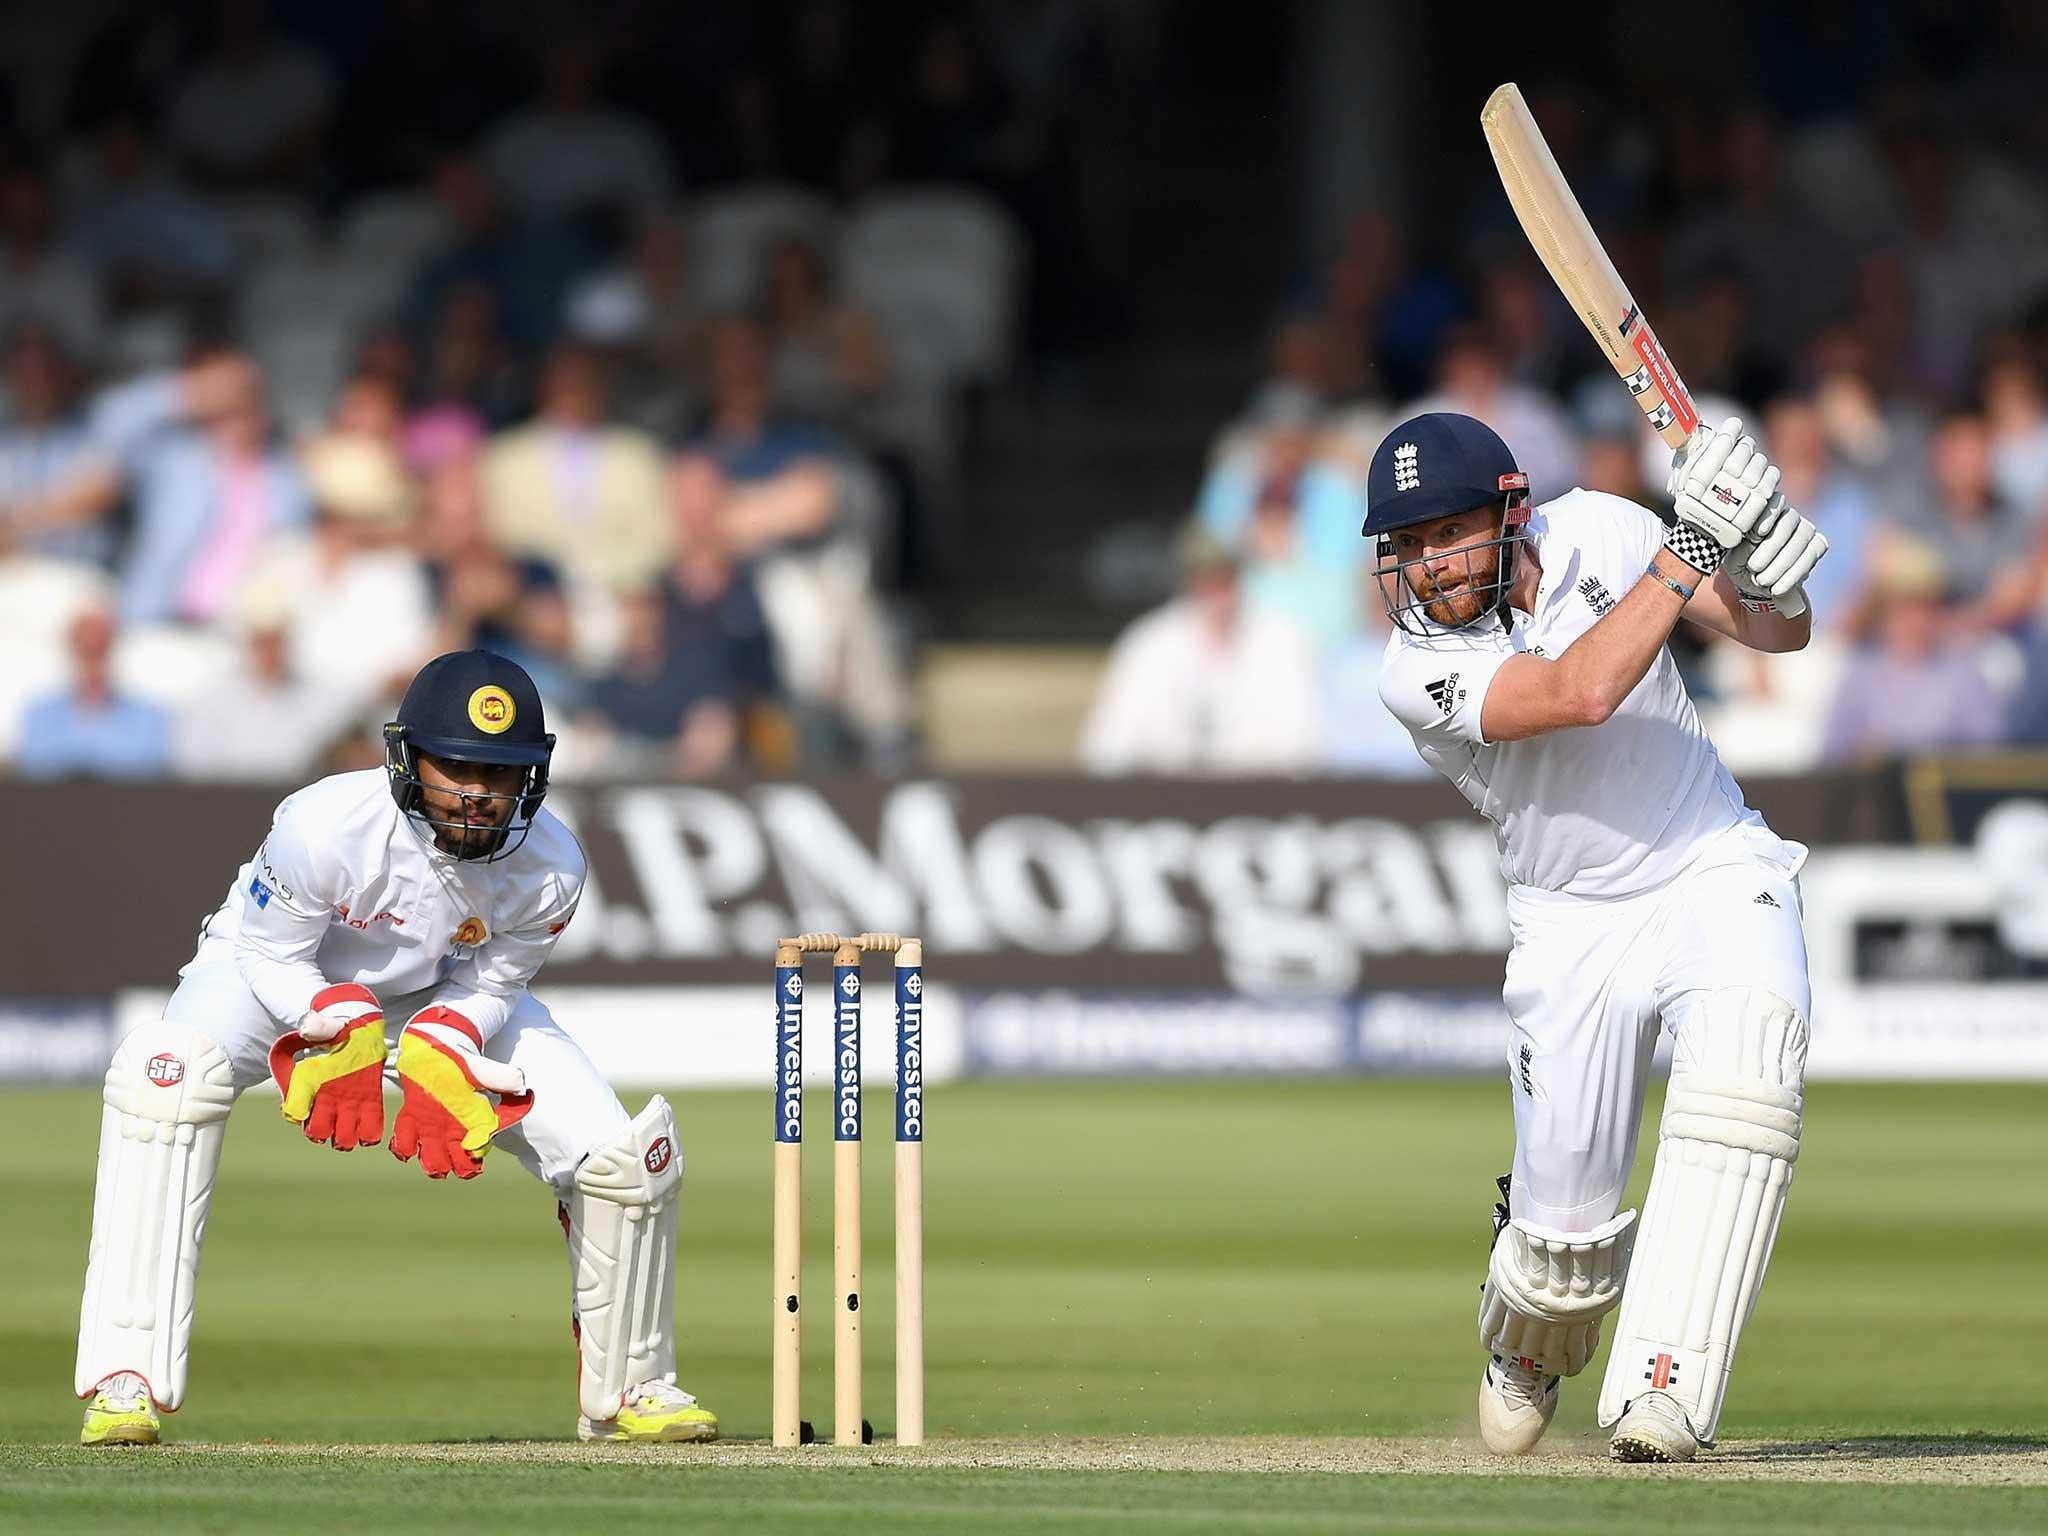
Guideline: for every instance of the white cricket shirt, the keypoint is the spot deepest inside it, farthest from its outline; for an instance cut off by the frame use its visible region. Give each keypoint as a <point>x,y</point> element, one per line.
<point>347,888</point>
<point>1606,810</point>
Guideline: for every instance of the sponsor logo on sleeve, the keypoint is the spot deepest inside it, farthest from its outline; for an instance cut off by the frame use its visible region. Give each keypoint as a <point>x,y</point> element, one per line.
<point>341,912</point>
<point>471,933</point>
<point>258,891</point>
<point>1444,692</point>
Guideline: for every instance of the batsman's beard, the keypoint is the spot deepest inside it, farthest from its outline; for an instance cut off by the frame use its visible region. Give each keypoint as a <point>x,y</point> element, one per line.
<point>1474,591</point>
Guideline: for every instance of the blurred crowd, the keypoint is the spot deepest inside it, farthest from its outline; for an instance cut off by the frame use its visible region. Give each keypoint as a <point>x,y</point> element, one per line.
<point>1867,288</point>
<point>644,343</point>
<point>632,341</point>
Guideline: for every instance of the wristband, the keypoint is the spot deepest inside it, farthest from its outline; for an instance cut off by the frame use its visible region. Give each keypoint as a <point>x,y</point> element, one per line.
<point>1692,546</point>
<point>1684,592</point>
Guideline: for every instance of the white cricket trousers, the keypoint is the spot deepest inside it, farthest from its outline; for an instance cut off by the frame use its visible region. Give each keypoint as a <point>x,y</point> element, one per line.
<point>1589,984</point>
<point>574,1109</point>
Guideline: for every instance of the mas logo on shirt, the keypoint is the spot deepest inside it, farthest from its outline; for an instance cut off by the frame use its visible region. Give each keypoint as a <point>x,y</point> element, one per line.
<point>491,710</point>
<point>1444,691</point>
<point>1595,592</point>
<point>471,933</point>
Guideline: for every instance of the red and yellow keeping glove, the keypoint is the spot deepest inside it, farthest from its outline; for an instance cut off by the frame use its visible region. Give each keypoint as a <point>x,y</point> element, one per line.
<point>337,1090</point>
<point>448,1117</point>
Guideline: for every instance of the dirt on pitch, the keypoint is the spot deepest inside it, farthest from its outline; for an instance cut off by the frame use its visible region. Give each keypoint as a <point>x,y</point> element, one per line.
<point>1946,1461</point>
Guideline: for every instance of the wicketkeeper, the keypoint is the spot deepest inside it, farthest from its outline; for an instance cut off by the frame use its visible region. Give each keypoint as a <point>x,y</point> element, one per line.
<point>387,930</point>
<point>1528,662</point>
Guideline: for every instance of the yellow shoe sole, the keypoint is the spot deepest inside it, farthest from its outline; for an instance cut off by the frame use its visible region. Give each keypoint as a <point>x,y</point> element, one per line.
<point>120,1434</point>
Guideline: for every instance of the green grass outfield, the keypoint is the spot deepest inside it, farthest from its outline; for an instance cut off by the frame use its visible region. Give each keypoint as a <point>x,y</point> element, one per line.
<point>1150,1306</point>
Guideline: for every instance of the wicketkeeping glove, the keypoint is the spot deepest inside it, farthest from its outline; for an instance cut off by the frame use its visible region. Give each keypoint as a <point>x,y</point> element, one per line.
<point>336,1091</point>
<point>448,1117</point>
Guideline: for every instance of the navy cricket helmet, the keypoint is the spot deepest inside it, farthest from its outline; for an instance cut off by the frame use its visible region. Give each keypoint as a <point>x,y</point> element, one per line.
<point>1427,468</point>
<point>471,707</point>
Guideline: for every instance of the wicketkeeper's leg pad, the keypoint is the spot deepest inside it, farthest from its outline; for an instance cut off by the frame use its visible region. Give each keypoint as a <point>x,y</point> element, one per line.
<point>1724,1162</point>
<point>1546,1291</point>
<point>621,1222</point>
<point>167,1097</point>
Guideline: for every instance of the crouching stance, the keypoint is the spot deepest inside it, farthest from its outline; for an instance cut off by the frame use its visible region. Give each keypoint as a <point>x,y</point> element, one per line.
<point>388,929</point>
<point>1528,662</point>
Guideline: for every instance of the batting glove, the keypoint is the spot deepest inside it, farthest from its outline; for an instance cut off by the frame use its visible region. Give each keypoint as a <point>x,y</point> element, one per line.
<point>336,1089</point>
<point>448,1117</point>
<point>1768,566</point>
<point>1720,484</point>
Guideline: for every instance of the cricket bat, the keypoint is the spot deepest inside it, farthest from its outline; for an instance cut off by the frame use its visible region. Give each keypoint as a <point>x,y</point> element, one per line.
<point>1579,265</point>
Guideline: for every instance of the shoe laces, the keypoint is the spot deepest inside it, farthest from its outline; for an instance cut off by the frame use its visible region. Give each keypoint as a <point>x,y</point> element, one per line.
<point>1519,1383</point>
<point>123,1392</point>
<point>662,1393</point>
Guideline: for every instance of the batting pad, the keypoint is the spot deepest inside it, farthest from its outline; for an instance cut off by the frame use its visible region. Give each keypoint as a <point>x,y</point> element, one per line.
<point>1547,1290</point>
<point>1724,1161</point>
<point>621,1221</point>
<point>168,1093</point>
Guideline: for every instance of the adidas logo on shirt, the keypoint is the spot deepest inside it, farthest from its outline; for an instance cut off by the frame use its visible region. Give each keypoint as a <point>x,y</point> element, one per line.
<point>1444,691</point>
<point>1765,900</point>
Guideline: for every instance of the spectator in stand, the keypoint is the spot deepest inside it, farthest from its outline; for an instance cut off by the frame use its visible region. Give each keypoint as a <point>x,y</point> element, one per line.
<point>573,488</point>
<point>2026,720</point>
<point>2016,415</point>
<point>675,701</point>
<point>150,239</point>
<point>47,455</point>
<point>41,281</point>
<point>472,382</point>
<point>745,428</point>
<point>1920,682</point>
<point>523,266</point>
<point>252,115</point>
<point>92,729</point>
<point>1290,514</point>
<point>362,618</point>
<point>834,655</point>
<point>1989,551</point>
<point>643,314</point>
<point>209,486</point>
<point>484,598</point>
<point>369,405</point>
<point>1472,380</point>
<point>715,610</point>
<point>1833,495</point>
<point>1360,735</point>
<point>826,359</point>
<point>571,153</point>
<point>1206,684</point>
<point>266,722</point>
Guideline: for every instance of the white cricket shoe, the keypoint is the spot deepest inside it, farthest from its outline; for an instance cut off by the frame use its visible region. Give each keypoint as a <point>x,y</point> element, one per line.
<point>1516,1404</point>
<point>657,1410</point>
<point>1654,1428</point>
<point>120,1413</point>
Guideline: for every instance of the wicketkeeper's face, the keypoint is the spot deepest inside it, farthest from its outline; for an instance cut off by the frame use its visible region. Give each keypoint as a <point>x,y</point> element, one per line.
<point>1452,565</point>
<point>478,797</point>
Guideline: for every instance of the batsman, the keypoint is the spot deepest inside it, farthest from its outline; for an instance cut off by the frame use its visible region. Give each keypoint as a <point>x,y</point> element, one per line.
<point>388,928</point>
<point>1528,661</point>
